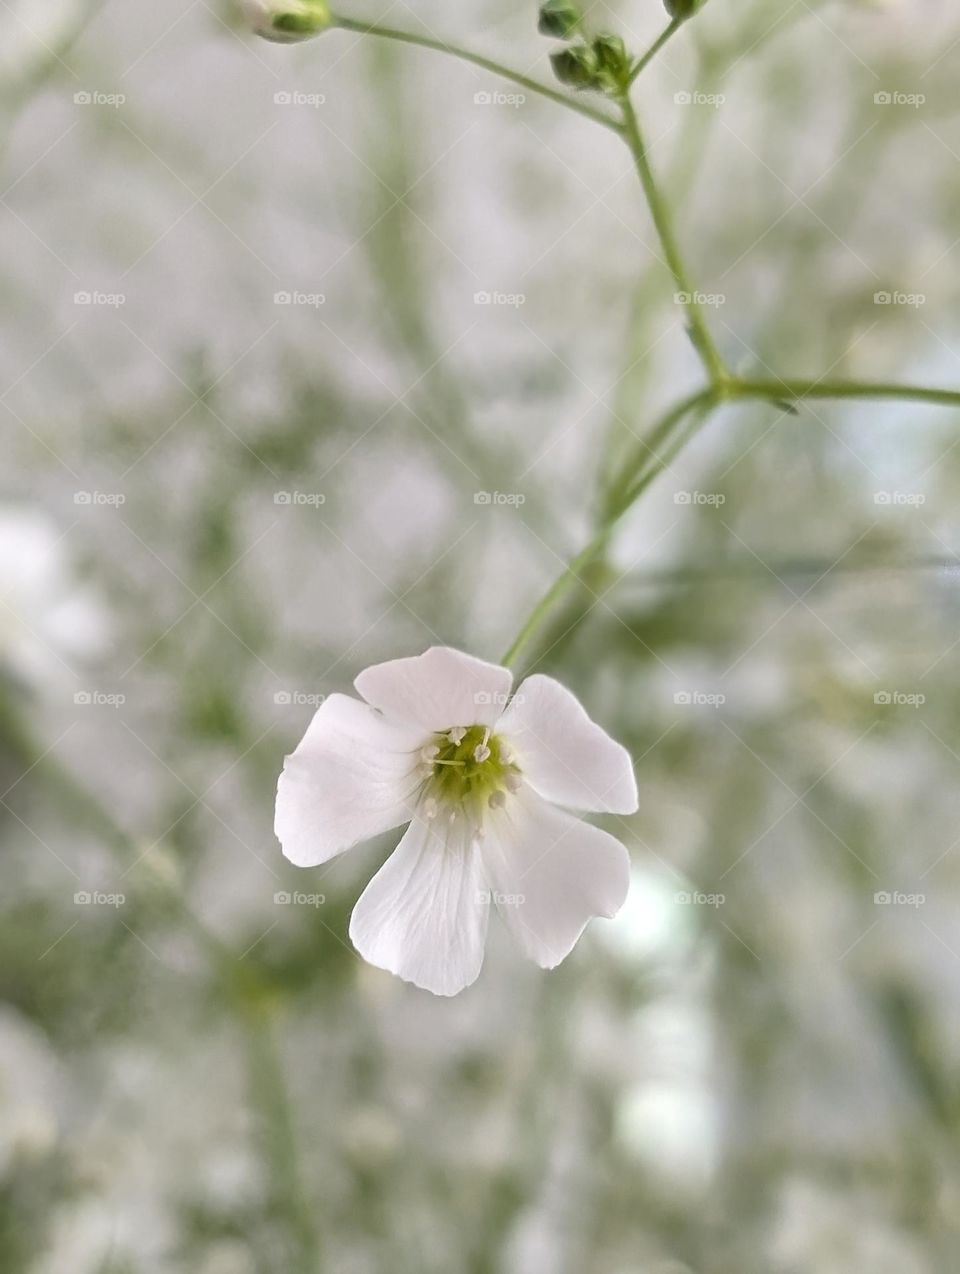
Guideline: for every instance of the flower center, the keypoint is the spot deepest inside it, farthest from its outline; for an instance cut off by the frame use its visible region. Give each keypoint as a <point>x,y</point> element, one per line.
<point>469,770</point>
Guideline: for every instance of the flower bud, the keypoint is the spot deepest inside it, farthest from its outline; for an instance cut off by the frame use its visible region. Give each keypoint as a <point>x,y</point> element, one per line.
<point>576,66</point>
<point>287,21</point>
<point>612,62</point>
<point>560,18</point>
<point>680,10</point>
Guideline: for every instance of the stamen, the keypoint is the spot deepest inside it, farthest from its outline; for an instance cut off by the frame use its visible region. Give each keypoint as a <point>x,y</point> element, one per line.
<point>471,774</point>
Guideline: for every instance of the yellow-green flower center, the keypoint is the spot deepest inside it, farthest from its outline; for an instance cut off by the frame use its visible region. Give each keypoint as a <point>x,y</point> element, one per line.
<point>469,769</point>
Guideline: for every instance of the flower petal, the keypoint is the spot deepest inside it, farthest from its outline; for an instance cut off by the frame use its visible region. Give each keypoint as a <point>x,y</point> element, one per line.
<point>438,689</point>
<point>552,874</point>
<point>352,776</point>
<point>564,755</point>
<point>424,915</point>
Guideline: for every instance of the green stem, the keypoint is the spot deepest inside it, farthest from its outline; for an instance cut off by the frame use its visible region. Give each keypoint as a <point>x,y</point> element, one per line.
<point>775,389</point>
<point>271,1096</point>
<point>646,451</point>
<point>570,575</point>
<point>663,221</point>
<point>476,59</point>
<point>625,493</point>
<point>641,63</point>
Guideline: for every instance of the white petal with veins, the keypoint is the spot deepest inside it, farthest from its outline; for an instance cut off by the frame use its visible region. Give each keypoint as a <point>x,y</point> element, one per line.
<point>564,755</point>
<point>424,914</point>
<point>353,776</point>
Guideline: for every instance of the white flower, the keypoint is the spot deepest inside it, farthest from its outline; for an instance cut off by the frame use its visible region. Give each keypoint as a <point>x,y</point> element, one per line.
<point>287,21</point>
<point>48,619</point>
<point>436,744</point>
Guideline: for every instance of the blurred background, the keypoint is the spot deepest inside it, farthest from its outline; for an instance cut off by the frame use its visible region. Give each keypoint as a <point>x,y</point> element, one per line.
<point>310,357</point>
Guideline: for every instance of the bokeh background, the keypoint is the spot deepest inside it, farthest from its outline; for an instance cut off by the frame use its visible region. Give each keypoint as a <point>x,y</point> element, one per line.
<point>260,432</point>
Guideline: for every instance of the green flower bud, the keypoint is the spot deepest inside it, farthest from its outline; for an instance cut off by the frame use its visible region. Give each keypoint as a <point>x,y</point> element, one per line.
<point>681,9</point>
<point>560,18</point>
<point>612,61</point>
<point>287,21</point>
<point>576,66</point>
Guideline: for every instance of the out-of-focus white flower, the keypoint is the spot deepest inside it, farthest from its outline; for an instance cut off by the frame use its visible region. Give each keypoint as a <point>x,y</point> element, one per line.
<point>47,619</point>
<point>28,1116</point>
<point>32,31</point>
<point>287,21</point>
<point>479,779</point>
